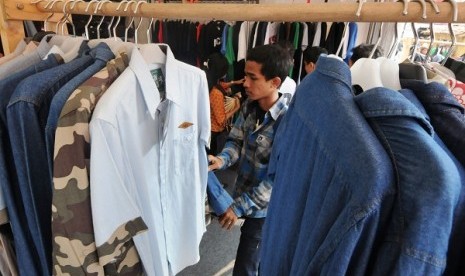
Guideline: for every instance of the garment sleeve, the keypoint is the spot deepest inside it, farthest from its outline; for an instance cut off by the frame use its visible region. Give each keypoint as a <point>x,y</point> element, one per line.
<point>204,112</point>
<point>217,107</point>
<point>218,197</point>
<point>232,149</point>
<point>256,199</point>
<point>116,215</point>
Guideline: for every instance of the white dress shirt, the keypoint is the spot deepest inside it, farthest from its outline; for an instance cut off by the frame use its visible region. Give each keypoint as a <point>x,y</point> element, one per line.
<point>148,159</point>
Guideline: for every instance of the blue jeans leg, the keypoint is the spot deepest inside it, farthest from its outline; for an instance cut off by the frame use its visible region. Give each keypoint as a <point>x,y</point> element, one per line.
<point>248,252</point>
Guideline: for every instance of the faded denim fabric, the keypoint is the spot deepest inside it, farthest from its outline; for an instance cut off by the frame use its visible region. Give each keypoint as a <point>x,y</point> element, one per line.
<point>27,114</point>
<point>456,251</point>
<point>218,197</point>
<point>334,187</point>
<point>26,254</point>
<point>428,185</point>
<point>101,55</point>
<point>445,112</point>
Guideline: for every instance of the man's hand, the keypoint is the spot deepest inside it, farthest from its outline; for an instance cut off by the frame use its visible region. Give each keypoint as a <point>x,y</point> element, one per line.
<point>214,163</point>
<point>228,219</point>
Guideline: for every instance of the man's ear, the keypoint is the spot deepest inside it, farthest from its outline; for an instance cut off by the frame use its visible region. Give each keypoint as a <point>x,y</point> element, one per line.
<point>276,81</point>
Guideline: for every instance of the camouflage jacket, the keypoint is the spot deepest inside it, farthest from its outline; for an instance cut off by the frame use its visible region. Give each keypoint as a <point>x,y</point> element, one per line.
<point>74,248</point>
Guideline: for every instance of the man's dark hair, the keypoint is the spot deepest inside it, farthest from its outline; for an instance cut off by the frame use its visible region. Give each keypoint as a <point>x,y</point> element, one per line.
<point>363,51</point>
<point>311,54</point>
<point>286,45</point>
<point>215,67</point>
<point>274,60</point>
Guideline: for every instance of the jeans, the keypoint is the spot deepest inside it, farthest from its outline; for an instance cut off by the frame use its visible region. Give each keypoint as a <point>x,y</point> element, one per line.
<point>248,252</point>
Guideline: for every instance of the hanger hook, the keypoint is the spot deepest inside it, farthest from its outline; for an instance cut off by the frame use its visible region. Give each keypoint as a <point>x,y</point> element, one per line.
<point>119,18</point>
<point>130,22</point>
<point>395,44</point>
<point>97,8</point>
<point>435,6</point>
<point>66,18</point>
<point>432,40</point>
<point>359,9</point>
<point>140,21</point>
<point>405,10</point>
<point>86,27</point>
<point>149,36</point>
<point>415,45</point>
<point>451,31</point>
<point>50,16</point>
<point>378,41</point>
<point>103,17</point>
<point>423,7</point>
<point>455,11</point>
<point>62,19</point>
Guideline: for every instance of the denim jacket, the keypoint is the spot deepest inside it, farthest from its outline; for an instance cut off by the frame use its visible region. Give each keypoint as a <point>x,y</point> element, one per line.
<point>456,251</point>
<point>334,186</point>
<point>26,253</point>
<point>428,186</point>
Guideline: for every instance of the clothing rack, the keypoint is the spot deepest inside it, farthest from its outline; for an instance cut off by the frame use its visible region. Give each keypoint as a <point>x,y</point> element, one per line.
<point>13,12</point>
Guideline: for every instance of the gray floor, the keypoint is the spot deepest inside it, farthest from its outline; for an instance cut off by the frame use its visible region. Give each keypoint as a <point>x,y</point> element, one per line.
<point>218,246</point>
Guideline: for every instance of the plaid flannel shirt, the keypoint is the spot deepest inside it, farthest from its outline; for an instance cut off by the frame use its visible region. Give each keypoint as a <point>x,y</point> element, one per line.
<point>250,143</point>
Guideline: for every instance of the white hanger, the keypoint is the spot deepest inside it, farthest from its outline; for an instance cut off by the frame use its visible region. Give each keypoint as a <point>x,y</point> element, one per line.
<point>153,53</point>
<point>389,73</point>
<point>366,72</point>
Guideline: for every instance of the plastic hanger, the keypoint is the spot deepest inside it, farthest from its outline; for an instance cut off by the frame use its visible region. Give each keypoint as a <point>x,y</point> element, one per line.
<point>366,72</point>
<point>154,53</point>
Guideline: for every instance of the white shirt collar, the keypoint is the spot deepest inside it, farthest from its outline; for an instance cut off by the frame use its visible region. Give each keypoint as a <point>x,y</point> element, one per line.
<point>139,63</point>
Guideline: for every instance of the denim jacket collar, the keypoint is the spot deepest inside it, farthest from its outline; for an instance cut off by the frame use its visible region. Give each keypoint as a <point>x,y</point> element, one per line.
<point>101,52</point>
<point>432,93</point>
<point>334,68</point>
<point>381,102</point>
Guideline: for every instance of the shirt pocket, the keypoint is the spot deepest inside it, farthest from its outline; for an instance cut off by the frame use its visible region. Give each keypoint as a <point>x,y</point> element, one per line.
<point>264,143</point>
<point>184,144</point>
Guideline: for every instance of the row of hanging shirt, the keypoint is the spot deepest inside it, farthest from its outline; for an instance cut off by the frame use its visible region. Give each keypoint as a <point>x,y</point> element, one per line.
<point>136,204</point>
<point>193,42</point>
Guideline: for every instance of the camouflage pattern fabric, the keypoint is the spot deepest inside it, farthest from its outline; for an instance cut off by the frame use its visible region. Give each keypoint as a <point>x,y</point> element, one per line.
<point>74,248</point>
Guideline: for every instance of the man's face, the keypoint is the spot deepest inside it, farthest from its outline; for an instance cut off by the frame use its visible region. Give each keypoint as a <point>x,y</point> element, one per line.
<point>309,67</point>
<point>255,84</point>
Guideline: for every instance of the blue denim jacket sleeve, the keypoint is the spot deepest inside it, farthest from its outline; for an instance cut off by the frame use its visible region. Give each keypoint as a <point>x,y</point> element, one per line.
<point>218,197</point>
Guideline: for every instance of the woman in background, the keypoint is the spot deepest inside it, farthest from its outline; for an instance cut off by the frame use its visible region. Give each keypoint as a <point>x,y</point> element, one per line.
<point>222,107</point>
